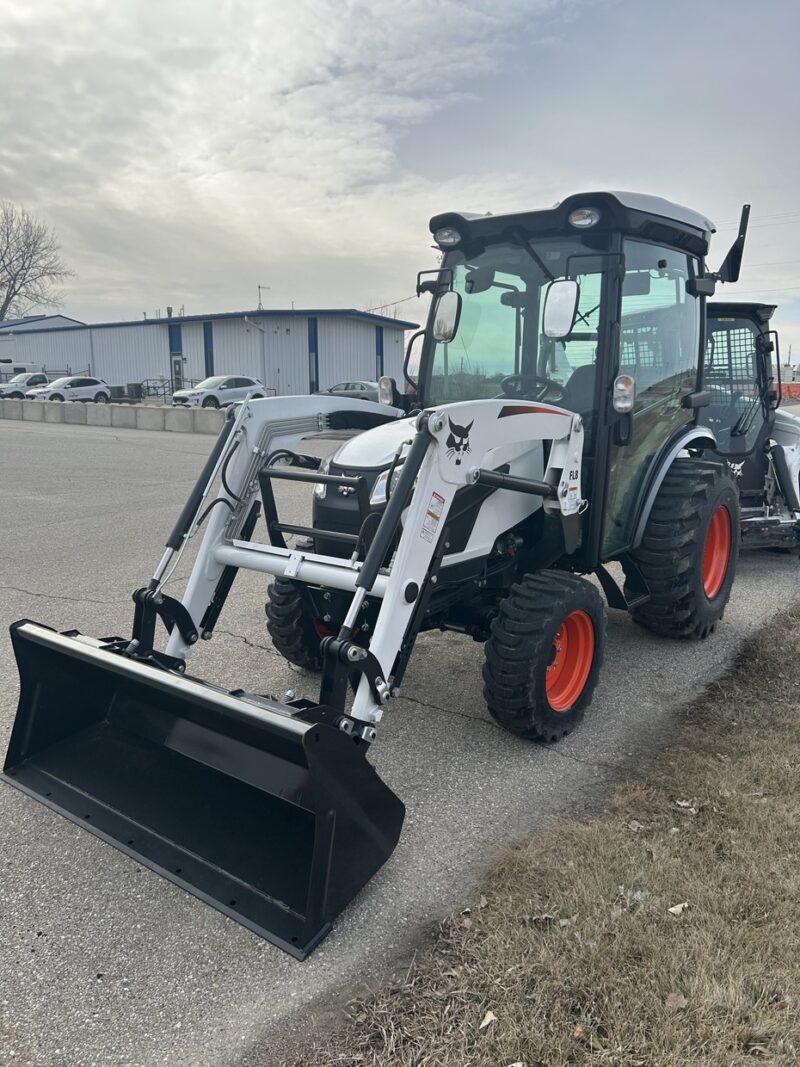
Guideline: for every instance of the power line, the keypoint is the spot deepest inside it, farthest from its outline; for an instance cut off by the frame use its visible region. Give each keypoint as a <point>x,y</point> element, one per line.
<point>392,303</point>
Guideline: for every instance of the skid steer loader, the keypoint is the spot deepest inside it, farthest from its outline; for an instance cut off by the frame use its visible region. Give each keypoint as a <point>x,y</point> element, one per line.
<point>760,443</point>
<point>552,429</point>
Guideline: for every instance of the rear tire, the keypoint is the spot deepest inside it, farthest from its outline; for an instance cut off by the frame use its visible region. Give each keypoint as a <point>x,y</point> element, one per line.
<point>294,633</point>
<point>544,655</point>
<point>101,398</point>
<point>689,550</point>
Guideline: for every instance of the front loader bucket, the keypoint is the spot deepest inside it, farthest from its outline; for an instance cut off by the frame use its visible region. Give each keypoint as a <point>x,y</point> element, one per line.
<point>276,822</point>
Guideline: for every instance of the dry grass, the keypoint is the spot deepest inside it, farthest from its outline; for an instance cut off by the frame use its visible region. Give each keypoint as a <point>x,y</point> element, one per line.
<point>572,945</point>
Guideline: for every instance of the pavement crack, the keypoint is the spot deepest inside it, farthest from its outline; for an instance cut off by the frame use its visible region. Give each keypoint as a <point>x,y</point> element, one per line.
<point>446,711</point>
<point>55,596</point>
<point>249,643</point>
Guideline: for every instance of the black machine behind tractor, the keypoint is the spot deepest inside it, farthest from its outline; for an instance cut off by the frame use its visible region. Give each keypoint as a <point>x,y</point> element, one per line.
<point>561,421</point>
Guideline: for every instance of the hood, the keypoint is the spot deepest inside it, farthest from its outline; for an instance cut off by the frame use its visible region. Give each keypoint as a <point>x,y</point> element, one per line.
<point>189,392</point>
<point>375,448</point>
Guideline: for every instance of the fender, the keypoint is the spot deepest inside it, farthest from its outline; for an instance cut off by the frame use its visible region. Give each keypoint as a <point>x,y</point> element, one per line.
<point>695,435</point>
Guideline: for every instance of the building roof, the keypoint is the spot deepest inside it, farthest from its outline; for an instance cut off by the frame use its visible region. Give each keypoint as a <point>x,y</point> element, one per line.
<point>39,322</point>
<point>342,313</point>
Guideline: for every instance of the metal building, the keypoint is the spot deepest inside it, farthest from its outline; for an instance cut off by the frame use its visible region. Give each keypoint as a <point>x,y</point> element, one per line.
<point>292,352</point>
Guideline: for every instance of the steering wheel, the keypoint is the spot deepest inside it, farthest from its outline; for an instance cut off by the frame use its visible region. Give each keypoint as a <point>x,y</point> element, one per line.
<point>532,387</point>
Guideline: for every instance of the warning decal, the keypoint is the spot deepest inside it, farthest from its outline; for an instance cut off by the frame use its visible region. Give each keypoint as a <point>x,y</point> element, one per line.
<point>432,516</point>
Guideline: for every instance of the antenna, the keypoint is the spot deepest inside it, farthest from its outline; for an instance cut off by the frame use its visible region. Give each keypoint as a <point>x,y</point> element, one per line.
<point>260,305</point>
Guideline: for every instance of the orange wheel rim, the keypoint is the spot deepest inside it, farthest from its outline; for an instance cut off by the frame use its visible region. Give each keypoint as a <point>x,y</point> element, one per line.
<point>571,662</point>
<point>717,552</point>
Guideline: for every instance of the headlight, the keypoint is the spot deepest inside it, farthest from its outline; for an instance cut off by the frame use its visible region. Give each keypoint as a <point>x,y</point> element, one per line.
<point>447,237</point>
<point>320,487</point>
<point>378,494</point>
<point>584,217</point>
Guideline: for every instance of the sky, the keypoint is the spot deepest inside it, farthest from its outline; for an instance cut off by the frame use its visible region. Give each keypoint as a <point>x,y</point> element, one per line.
<point>187,152</point>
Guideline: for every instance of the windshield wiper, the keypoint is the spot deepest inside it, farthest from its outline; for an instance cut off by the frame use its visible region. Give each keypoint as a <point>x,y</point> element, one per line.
<point>523,243</point>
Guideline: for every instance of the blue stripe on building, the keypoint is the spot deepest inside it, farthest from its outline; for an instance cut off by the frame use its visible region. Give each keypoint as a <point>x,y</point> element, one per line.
<point>379,351</point>
<point>208,347</point>
<point>313,356</point>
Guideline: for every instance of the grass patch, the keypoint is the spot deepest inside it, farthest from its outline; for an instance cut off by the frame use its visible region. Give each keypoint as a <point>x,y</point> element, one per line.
<point>664,932</point>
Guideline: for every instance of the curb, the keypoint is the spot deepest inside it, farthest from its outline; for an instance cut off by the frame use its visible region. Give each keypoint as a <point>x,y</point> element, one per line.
<point>122,416</point>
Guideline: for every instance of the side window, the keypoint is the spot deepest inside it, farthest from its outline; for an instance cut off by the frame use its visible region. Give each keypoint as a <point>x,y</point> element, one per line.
<point>733,380</point>
<point>660,324</point>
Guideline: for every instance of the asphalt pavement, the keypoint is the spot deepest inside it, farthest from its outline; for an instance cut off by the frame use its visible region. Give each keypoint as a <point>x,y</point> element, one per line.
<point>103,962</point>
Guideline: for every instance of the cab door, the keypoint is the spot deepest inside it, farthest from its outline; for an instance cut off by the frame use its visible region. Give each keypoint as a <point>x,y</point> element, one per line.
<point>738,377</point>
<point>660,350</point>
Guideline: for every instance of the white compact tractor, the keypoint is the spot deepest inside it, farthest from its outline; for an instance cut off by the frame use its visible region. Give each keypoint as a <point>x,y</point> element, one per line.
<point>553,427</point>
<point>760,442</point>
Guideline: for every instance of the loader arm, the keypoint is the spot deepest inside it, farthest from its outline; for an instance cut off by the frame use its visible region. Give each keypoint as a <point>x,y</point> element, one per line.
<point>449,447</point>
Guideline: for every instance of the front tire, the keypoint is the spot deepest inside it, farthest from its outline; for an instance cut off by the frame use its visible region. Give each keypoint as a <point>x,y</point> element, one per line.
<point>293,631</point>
<point>210,402</point>
<point>57,397</point>
<point>689,550</point>
<point>544,655</point>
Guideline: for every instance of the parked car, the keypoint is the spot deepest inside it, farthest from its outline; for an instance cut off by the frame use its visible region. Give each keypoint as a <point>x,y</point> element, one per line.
<point>354,390</point>
<point>18,386</point>
<point>72,388</point>
<point>219,391</point>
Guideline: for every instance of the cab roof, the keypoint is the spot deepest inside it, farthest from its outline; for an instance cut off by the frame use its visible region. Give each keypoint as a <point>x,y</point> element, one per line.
<point>638,214</point>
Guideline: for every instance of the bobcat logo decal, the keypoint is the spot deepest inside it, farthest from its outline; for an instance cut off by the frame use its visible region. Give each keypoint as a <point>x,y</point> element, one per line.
<point>457,442</point>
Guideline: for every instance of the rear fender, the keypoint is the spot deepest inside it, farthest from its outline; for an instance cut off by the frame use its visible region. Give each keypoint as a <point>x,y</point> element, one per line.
<point>695,437</point>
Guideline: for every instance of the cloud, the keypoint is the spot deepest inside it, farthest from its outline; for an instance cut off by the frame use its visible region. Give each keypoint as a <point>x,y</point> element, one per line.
<point>188,151</point>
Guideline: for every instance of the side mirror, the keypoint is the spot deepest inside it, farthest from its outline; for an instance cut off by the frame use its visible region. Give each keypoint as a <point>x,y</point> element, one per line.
<point>560,308</point>
<point>446,313</point>
<point>412,361</point>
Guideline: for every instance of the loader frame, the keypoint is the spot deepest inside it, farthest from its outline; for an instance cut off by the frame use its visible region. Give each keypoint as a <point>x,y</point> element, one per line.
<point>259,447</point>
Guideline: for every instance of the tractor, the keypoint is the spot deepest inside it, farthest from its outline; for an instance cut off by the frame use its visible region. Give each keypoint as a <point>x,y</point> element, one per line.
<point>557,424</point>
<point>760,443</point>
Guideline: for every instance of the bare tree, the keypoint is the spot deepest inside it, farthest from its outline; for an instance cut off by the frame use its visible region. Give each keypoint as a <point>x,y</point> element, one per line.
<point>31,267</point>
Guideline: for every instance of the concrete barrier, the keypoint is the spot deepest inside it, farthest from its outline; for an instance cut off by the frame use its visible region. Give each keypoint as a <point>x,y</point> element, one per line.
<point>178,420</point>
<point>98,414</point>
<point>75,414</point>
<point>208,420</point>
<point>32,410</point>
<point>149,417</point>
<point>122,416</point>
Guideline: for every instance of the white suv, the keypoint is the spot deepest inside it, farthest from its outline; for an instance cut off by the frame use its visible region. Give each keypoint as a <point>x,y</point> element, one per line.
<point>219,391</point>
<point>72,388</point>
<point>16,388</point>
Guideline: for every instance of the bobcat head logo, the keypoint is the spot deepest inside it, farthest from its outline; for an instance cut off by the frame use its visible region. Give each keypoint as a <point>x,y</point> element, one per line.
<point>457,442</point>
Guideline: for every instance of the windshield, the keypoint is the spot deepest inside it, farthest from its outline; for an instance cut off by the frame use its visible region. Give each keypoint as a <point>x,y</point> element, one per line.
<point>19,378</point>
<point>60,381</point>
<point>211,383</point>
<point>500,331</point>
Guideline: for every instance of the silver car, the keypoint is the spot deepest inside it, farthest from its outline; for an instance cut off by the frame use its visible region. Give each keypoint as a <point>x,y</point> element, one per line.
<point>72,387</point>
<point>219,391</point>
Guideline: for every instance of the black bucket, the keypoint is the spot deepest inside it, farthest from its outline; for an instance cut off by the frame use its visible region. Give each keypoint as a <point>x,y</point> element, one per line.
<point>275,821</point>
